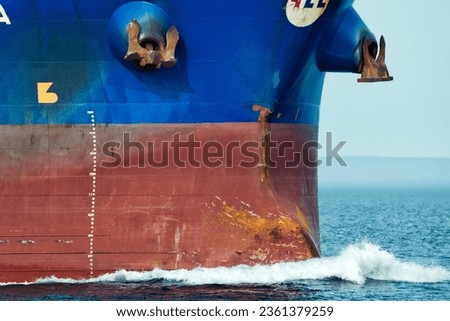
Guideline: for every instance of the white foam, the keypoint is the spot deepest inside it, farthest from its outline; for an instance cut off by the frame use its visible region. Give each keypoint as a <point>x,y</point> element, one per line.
<point>357,263</point>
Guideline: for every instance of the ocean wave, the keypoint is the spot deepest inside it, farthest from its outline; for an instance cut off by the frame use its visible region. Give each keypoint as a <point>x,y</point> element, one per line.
<point>357,263</point>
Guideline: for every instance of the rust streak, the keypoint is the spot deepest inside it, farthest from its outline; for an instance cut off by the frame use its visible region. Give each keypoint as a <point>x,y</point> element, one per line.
<point>264,113</point>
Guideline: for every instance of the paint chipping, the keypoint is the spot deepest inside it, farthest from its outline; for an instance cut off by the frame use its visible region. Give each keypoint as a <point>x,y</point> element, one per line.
<point>272,229</point>
<point>64,241</point>
<point>27,242</point>
<point>264,112</point>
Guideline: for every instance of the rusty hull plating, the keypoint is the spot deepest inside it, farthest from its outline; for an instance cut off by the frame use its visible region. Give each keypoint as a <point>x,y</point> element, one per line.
<point>146,217</point>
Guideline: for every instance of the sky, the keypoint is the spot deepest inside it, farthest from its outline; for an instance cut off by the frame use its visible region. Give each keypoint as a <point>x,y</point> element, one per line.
<point>409,117</point>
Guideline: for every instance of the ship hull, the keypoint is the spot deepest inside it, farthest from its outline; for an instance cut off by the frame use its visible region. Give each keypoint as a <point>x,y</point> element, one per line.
<point>198,150</point>
<point>79,201</point>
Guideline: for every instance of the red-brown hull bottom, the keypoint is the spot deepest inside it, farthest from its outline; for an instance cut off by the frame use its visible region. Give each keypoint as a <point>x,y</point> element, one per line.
<point>66,212</point>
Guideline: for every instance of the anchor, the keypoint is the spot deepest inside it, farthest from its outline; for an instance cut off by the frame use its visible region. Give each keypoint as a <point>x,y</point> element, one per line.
<point>374,70</point>
<point>156,52</point>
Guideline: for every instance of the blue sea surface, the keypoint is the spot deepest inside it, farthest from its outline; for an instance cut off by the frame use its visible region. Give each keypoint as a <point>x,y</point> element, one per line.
<point>377,244</point>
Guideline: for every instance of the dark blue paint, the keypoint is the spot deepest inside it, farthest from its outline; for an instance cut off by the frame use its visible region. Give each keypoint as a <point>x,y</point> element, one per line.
<point>309,4</point>
<point>231,55</point>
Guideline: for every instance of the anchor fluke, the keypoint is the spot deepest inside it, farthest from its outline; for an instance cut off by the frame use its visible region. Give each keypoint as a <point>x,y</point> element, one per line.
<point>374,70</point>
<point>154,52</point>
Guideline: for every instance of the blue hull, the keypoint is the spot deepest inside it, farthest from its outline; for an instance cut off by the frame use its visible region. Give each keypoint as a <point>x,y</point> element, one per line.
<point>231,56</point>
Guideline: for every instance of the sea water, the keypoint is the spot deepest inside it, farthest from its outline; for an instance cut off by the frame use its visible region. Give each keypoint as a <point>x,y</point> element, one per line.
<point>377,244</point>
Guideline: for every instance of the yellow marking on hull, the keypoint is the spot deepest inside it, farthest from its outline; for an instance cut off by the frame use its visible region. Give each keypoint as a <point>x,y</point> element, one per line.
<point>44,96</point>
